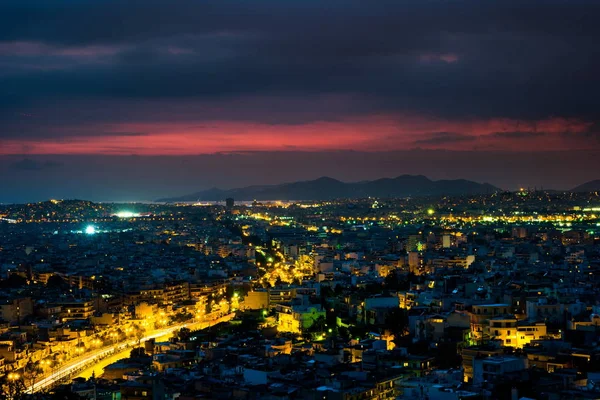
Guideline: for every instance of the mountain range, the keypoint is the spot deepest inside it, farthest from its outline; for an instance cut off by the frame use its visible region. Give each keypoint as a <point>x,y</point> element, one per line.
<point>591,186</point>
<point>326,188</point>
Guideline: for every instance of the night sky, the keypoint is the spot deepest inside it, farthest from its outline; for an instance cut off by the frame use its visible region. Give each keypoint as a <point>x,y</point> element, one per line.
<point>132,100</point>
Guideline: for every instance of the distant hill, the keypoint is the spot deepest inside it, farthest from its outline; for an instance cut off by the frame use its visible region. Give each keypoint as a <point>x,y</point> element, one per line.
<point>326,188</point>
<point>591,186</point>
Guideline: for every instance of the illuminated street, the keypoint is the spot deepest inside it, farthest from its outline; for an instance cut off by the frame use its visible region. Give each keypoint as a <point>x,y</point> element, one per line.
<point>71,368</point>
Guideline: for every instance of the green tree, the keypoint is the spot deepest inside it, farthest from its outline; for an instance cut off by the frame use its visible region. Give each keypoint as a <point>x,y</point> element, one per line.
<point>318,325</point>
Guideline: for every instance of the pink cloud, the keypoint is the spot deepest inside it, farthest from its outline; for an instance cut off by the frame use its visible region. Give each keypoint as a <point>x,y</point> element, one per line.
<point>375,133</point>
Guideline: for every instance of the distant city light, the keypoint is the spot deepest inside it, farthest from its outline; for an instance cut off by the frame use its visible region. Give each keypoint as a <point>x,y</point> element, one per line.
<point>126,214</point>
<point>90,230</point>
<point>430,211</point>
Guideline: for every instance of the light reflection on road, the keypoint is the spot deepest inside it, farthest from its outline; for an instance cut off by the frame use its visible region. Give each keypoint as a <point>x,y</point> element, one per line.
<point>93,358</point>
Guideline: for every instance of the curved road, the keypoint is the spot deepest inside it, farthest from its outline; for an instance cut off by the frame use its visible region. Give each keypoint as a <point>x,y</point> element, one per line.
<point>70,367</point>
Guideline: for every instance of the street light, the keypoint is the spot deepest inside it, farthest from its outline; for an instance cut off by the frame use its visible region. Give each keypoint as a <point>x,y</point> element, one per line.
<point>13,385</point>
<point>46,364</point>
<point>13,376</point>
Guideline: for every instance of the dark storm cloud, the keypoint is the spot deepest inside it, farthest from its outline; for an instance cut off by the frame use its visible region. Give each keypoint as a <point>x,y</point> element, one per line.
<point>515,59</point>
<point>113,21</point>
<point>518,135</point>
<point>126,133</point>
<point>444,138</point>
<point>590,136</point>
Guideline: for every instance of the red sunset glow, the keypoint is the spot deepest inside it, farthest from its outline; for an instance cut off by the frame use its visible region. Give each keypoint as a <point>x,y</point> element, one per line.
<point>366,134</point>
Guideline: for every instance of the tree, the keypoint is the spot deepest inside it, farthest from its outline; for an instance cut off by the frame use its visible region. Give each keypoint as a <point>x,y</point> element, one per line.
<point>396,281</point>
<point>13,281</point>
<point>56,282</point>
<point>31,371</point>
<point>137,352</point>
<point>447,355</point>
<point>344,332</point>
<point>182,317</point>
<point>12,387</point>
<point>326,294</point>
<point>139,334</point>
<point>397,321</point>
<point>318,325</point>
<point>249,323</point>
<point>358,331</point>
<point>183,334</point>
<point>373,288</point>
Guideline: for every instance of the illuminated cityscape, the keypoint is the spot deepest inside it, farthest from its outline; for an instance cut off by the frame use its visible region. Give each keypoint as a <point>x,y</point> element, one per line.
<point>403,294</point>
<point>296,199</point>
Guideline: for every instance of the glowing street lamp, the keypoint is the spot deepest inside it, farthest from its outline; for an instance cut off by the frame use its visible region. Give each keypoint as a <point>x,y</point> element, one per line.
<point>13,376</point>
<point>90,230</point>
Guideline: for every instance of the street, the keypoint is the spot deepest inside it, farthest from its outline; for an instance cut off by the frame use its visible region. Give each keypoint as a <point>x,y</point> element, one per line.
<point>73,366</point>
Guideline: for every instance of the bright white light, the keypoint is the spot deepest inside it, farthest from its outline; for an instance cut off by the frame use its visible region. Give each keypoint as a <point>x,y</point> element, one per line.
<point>90,230</point>
<point>127,214</point>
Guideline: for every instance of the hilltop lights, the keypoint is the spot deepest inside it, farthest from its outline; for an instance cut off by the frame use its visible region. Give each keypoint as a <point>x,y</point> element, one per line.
<point>126,214</point>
